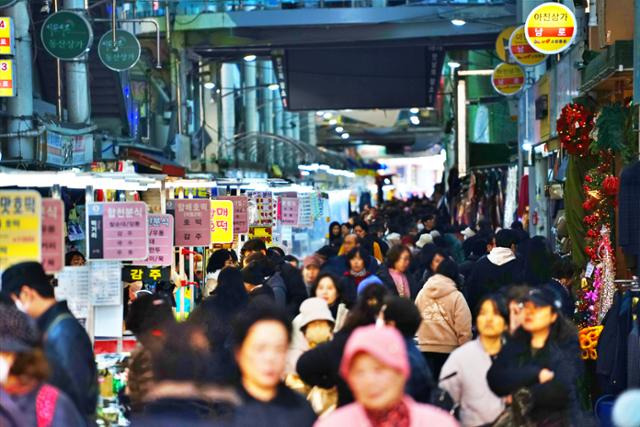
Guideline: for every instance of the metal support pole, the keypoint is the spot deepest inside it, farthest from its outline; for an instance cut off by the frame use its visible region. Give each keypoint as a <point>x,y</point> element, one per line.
<point>251,108</point>
<point>228,128</point>
<point>278,124</point>
<point>636,62</point>
<point>20,107</point>
<point>78,97</point>
<point>113,24</point>
<point>461,127</point>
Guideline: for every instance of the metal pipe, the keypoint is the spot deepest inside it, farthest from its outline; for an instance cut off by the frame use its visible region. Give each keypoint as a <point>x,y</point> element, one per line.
<point>167,22</point>
<point>78,106</point>
<point>113,24</point>
<point>250,108</point>
<point>24,133</point>
<point>150,21</point>
<point>58,78</point>
<point>179,96</point>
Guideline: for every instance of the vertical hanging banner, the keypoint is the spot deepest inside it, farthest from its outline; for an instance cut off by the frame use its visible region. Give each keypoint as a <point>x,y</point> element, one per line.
<point>117,231</point>
<point>263,212</point>
<point>305,211</point>
<point>20,217</point>
<point>240,213</point>
<point>192,221</point>
<point>160,240</point>
<point>521,50</point>
<point>221,221</point>
<point>7,44</point>
<point>550,28</point>
<point>52,235</point>
<point>289,207</point>
<point>7,88</point>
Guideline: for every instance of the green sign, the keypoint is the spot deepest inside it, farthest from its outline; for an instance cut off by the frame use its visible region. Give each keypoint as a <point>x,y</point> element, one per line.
<point>7,3</point>
<point>66,35</point>
<point>123,54</point>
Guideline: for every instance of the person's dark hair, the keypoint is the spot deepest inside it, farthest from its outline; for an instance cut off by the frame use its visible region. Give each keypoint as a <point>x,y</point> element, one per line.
<point>217,260</point>
<point>275,250</point>
<point>506,238</point>
<point>517,293</point>
<point>345,224</point>
<point>517,225</point>
<point>263,262</point>
<point>257,311</point>
<point>362,225</point>
<point>357,251</point>
<point>234,255</point>
<point>394,254</point>
<point>449,268</point>
<point>538,261</point>
<point>563,268</point>
<point>485,227</point>
<point>367,307</point>
<point>291,258</point>
<point>429,252</point>
<point>254,245</point>
<point>327,252</point>
<point>231,287</point>
<point>30,274</point>
<point>31,366</point>
<point>148,312</point>
<point>428,217</point>
<point>334,224</point>
<point>404,313</point>
<point>336,283</point>
<point>69,256</point>
<point>253,274</point>
<point>499,304</point>
<point>479,246</point>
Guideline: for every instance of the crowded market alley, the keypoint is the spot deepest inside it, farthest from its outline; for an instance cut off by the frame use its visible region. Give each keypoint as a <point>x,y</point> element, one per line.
<point>329,213</point>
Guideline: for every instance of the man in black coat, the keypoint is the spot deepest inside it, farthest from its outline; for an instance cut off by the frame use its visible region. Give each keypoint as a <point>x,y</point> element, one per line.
<point>497,269</point>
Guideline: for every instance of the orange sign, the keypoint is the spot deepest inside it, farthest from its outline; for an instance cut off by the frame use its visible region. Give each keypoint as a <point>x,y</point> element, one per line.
<point>502,43</point>
<point>521,50</point>
<point>6,78</point>
<point>550,28</point>
<point>6,36</point>
<point>507,79</point>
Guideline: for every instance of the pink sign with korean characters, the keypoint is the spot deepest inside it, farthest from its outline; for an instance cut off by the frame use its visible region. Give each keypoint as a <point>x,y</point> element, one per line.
<point>289,207</point>
<point>117,231</point>
<point>52,235</point>
<point>240,213</point>
<point>160,240</point>
<point>192,221</point>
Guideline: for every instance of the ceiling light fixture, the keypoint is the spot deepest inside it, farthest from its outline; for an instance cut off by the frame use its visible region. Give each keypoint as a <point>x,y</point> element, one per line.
<point>249,58</point>
<point>414,110</point>
<point>458,22</point>
<point>333,122</point>
<point>345,136</point>
<point>209,85</point>
<point>339,129</point>
<point>414,120</point>
<point>327,116</point>
<point>274,86</point>
<point>453,64</point>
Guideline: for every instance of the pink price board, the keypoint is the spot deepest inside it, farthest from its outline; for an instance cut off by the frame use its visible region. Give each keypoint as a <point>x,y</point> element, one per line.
<point>192,219</point>
<point>160,240</point>
<point>52,235</point>
<point>240,213</point>
<point>289,207</point>
<point>117,231</point>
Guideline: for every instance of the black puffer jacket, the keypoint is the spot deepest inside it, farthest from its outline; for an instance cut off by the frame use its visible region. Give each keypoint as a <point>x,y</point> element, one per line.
<point>517,367</point>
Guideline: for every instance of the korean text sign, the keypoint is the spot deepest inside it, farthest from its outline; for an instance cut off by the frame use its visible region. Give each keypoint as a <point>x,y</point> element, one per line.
<point>20,230</point>
<point>240,213</point>
<point>160,240</point>
<point>117,231</point>
<point>221,221</point>
<point>192,221</point>
<point>52,235</point>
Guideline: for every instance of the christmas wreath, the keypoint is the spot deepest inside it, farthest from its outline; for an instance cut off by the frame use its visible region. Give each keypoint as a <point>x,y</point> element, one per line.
<point>574,127</point>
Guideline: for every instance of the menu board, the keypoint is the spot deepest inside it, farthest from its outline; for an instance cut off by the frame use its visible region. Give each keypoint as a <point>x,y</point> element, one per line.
<point>305,213</point>
<point>20,217</point>
<point>192,221</point>
<point>73,286</point>
<point>105,283</point>
<point>160,240</point>
<point>289,207</point>
<point>221,221</point>
<point>262,212</point>
<point>117,231</point>
<point>240,213</point>
<point>52,235</point>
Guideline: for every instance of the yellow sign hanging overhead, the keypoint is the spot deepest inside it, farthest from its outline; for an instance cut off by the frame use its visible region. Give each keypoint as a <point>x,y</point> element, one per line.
<point>6,79</point>
<point>20,232</point>
<point>521,51</point>
<point>6,36</point>
<point>221,221</point>
<point>507,79</point>
<point>550,28</point>
<point>502,43</point>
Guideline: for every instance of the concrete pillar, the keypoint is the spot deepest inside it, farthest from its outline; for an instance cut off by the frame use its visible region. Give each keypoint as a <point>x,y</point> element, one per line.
<point>278,124</point>
<point>77,87</point>
<point>21,105</point>
<point>228,128</point>
<point>266,78</point>
<point>251,109</point>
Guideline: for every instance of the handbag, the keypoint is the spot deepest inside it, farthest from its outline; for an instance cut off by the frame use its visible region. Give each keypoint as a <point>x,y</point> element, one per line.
<point>517,413</point>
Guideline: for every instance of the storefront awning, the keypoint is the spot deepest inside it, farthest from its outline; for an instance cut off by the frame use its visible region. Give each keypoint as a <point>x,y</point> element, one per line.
<point>615,62</point>
<point>155,163</point>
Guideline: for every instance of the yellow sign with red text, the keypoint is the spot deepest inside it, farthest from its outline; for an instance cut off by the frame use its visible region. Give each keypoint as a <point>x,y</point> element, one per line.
<point>551,28</point>
<point>221,221</point>
<point>6,36</point>
<point>521,51</point>
<point>502,43</point>
<point>6,78</point>
<point>508,79</point>
<point>20,232</point>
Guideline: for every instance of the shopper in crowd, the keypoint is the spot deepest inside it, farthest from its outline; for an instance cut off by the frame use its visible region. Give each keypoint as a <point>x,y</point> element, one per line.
<point>395,273</point>
<point>356,272</point>
<point>446,318</point>
<point>149,318</point>
<point>339,265</point>
<point>369,241</point>
<point>345,229</point>
<point>464,374</point>
<point>349,242</point>
<point>516,296</point>
<point>428,222</point>
<point>74,259</point>
<point>272,278</point>
<point>292,260</point>
<point>537,261</point>
<point>189,384</point>
<point>335,235</point>
<point>376,366</point>
<point>292,278</point>
<point>563,272</point>
<point>541,365</point>
<point>26,400</point>
<point>498,269</point>
<point>430,258</point>
<point>310,270</point>
<point>253,279</point>
<point>331,290</point>
<point>320,366</point>
<point>479,248</point>
<point>261,339</point>
<point>403,315</point>
<point>66,344</point>
<point>218,260</point>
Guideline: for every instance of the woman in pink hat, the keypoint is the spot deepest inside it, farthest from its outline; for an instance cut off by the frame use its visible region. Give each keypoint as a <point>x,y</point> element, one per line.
<point>376,367</point>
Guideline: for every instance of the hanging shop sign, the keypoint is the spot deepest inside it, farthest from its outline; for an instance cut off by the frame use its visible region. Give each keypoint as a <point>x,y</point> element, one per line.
<point>52,235</point>
<point>263,233</point>
<point>121,55</point>
<point>221,221</point>
<point>305,210</point>
<point>502,43</point>
<point>66,35</point>
<point>240,213</point>
<point>262,212</point>
<point>521,51</point>
<point>551,28</point>
<point>69,150</point>
<point>160,240</point>
<point>117,231</point>
<point>20,218</point>
<point>6,79</point>
<point>507,79</point>
<point>7,44</point>
<point>289,208</point>
<point>150,276</point>
<point>192,221</point>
